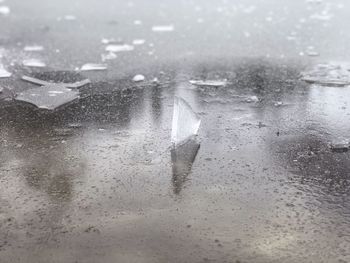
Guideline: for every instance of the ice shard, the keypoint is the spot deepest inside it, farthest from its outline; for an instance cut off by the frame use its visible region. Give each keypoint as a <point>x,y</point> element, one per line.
<point>35,63</point>
<point>185,122</point>
<point>48,97</point>
<point>93,67</point>
<point>34,48</point>
<point>119,48</point>
<point>209,83</point>
<point>330,75</point>
<point>40,82</point>
<point>4,73</point>
<point>163,28</point>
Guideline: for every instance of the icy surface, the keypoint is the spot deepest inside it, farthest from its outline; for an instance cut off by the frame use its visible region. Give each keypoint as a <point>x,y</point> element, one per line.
<point>185,122</point>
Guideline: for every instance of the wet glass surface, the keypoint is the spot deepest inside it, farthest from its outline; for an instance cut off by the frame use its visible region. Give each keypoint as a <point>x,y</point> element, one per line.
<point>97,180</point>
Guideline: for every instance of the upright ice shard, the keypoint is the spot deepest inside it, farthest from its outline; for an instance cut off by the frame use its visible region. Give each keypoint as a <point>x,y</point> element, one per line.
<point>185,122</point>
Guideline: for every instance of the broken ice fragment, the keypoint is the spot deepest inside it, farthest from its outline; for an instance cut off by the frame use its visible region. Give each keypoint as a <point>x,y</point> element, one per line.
<point>78,84</point>
<point>33,48</point>
<point>137,42</point>
<point>137,22</point>
<point>163,28</point>
<point>185,123</point>
<point>182,158</point>
<point>249,9</point>
<point>332,74</point>
<point>107,41</point>
<point>324,16</point>
<point>108,56</point>
<point>340,147</point>
<point>4,10</point>
<point>35,63</point>
<point>48,97</point>
<point>278,104</point>
<point>252,99</point>
<point>155,81</point>
<point>92,67</point>
<point>119,48</point>
<point>1,89</point>
<point>312,53</point>
<point>138,78</point>
<point>75,85</point>
<point>209,83</point>
<point>35,81</point>
<point>4,73</point>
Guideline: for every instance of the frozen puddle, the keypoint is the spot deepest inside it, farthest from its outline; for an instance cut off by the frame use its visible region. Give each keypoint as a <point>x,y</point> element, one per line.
<point>185,123</point>
<point>48,97</point>
<point>332,74</point>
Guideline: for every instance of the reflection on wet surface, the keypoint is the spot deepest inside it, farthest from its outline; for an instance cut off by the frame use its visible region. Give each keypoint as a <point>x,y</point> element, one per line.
<point>96,181</point>
<point>182,158</point>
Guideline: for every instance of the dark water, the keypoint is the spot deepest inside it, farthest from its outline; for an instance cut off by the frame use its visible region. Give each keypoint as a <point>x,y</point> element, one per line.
<point>94,181</point>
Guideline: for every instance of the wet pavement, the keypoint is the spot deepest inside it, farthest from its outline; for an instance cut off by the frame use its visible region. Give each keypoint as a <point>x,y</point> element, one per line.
<point>97,180</point>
